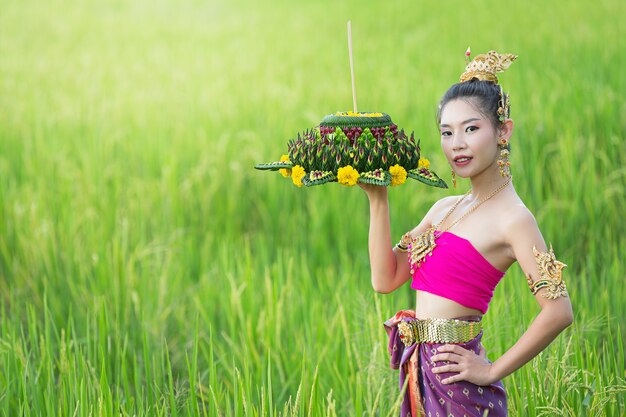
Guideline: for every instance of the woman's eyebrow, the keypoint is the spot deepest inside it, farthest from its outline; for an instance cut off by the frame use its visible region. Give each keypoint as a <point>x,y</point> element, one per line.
<point>473,119</point>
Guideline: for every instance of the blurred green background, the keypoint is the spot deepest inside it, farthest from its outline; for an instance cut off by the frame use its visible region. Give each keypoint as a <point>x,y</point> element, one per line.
<point>146,269</point>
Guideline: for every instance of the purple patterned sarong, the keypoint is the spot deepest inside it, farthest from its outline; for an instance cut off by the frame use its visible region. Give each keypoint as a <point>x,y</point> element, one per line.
<point>425,394</point>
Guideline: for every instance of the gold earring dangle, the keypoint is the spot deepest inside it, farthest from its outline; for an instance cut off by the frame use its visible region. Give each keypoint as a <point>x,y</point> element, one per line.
<point>453,178</point>
<point>503,158</point>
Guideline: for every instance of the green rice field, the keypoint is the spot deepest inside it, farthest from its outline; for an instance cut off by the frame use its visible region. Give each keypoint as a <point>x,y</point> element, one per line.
<point>146,269</point>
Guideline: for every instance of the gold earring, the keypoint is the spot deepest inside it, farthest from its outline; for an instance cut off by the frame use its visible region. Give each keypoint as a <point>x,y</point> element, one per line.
<point>453,178</point>
<point>503,158</point>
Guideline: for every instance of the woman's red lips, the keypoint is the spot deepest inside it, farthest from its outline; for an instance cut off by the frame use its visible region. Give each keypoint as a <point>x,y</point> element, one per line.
<point>462,160</point>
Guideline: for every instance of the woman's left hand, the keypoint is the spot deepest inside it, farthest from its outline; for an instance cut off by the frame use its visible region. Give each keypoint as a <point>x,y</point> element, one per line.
<point>468,365</point>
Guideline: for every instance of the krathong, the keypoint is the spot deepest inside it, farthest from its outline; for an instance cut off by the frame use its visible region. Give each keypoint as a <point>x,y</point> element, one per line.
<point>353,147</point>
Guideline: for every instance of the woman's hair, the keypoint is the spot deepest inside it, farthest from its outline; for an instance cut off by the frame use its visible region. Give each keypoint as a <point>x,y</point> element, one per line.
<point>485,95</point>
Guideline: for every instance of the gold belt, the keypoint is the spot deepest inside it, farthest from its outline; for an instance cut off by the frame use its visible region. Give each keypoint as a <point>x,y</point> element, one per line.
<point>438,331</point>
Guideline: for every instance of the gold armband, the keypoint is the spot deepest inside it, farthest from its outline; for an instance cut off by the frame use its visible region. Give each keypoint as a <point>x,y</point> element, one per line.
<point>403,244</point>
<point>550,271</point>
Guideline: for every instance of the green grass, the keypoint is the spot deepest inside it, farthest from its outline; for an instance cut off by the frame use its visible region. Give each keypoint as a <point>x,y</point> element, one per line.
<point>147,270</point>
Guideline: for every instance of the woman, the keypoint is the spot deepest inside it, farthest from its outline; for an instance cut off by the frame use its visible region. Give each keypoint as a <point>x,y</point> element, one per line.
<point>456,256</point>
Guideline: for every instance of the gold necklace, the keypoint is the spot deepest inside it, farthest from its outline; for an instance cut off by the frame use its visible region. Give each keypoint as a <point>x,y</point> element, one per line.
<point>424,244</point>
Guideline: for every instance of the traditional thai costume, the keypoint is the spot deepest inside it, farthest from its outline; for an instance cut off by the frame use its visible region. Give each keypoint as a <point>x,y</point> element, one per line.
<point>457,271</point>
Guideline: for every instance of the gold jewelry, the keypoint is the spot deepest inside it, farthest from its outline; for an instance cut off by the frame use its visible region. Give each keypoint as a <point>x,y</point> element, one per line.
<point>421,247</point>
<point>437,330</point>
<point>474,207</point>
<point>401,248</point>
<point>403,244</point>
<point>485,66</point>
<point>503,158</point>
<point>504,106</point>
<point>550,271</point>
<point>424,244</point>
<point>453,178</point>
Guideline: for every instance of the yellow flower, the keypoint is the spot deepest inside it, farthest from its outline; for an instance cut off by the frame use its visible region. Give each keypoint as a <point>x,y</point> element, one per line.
<point>347,175</point>
<point>398,175</point>
<point>286,172</point>
<point>423,163</point>
<point>297,173</point>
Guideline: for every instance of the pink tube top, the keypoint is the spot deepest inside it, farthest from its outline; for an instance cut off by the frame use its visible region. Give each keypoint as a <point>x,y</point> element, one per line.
<point>457,271</point>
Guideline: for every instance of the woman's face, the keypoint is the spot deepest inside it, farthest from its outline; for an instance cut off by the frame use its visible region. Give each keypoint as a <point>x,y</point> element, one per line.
<point>468,139</point>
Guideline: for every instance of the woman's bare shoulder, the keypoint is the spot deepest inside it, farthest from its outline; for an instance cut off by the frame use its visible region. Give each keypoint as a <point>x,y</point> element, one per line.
<point>433,214</point>
<point>518,213</point>
<point>445,203</point>
<point>441,206</point>
<point>519,220</point>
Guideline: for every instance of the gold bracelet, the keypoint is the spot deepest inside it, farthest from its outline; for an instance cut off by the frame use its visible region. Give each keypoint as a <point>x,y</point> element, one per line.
<point>401,248</point>
<point>551,279</point>
<point>403,244</point>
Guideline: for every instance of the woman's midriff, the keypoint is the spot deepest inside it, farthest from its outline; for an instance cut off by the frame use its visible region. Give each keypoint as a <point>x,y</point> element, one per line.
<point>433,306</point>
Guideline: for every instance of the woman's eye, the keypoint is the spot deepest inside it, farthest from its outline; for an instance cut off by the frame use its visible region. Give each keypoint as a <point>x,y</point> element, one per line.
<point>446,133</point>
<point>471,128</point>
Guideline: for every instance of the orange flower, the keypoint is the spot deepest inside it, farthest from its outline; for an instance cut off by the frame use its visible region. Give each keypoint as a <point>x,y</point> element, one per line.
<point>297,173</point>
<point>398,175</point>
<point>347,175</point>
<point>286,172</point>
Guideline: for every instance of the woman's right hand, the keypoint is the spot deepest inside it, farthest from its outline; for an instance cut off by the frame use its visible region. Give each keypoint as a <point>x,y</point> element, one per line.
<point>374,191</point>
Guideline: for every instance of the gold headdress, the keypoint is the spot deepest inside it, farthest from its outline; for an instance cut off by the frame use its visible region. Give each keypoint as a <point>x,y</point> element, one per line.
<point>485,66</point>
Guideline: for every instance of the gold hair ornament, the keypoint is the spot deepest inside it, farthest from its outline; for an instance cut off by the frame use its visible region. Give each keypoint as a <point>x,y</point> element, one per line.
<point>550,271</point>
<point>504,106</point>
<point>484,67</point>
<point>503,162</point>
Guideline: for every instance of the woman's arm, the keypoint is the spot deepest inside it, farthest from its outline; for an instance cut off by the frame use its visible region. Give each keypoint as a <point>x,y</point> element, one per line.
<point>386,270</point>
<point>556,314</point>
<point>390,268</point>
